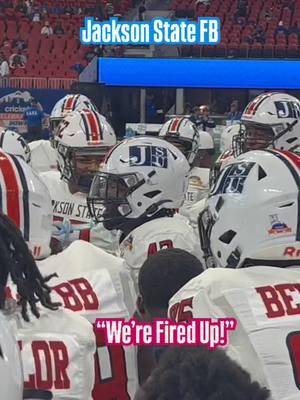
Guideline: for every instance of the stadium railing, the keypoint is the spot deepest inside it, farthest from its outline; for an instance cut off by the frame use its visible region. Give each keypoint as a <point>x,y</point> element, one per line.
<point>36,83</point>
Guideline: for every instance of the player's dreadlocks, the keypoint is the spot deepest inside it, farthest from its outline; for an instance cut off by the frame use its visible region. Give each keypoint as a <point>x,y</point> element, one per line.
<point>17,261</point>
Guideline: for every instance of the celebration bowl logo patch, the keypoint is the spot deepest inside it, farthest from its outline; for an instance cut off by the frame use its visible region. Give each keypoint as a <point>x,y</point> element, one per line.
<point>278,227</point>
<point>126,245</point>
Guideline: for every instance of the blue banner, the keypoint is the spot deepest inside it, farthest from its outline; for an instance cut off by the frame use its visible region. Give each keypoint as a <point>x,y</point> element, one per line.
<point>199,73</point>
<point>13,103</point>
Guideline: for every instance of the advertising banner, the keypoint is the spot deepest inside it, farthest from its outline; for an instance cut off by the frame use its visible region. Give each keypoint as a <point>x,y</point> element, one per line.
<point>13,103</point>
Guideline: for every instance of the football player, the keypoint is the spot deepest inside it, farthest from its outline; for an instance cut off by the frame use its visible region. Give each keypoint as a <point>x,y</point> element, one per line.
<point>66,105</point>
<point>43,152</point>
<point>250,227</point>
<point>160,277</point>
<point>90,284</point>
<point>271,120</point>
<point>200,373</point>
<point>141,186</point>
<point>57,348</point>
<point>82,141</point>
<point>17,265</point>
<point>198,147</point>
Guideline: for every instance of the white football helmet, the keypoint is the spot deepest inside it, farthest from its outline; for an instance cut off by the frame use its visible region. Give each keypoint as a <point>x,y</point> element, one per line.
<point>182,133</point>
<point>11,372</point>
<point>67,104</point>
<point>252,214</point>
<point>13,143</point>
<point>271,120</point>
<point>224,159</point>
<point>27,202</point>
<point>82,137</point>
<point>206,150</point>
<point>227,135</point>
<point>206,141</point>
<point>140,177</point>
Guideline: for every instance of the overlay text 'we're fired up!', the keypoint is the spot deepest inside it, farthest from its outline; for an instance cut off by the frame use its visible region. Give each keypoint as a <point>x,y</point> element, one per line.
<point>164,332</point>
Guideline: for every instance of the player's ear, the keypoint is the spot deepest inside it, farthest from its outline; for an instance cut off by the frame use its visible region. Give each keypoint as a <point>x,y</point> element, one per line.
<point>140,305</point>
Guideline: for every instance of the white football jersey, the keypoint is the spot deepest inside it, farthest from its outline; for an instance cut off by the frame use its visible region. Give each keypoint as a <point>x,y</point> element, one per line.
<point>11,374</point>
<point>73,209</point>
<point>43,156</point>
<point>198,188</point>
<point>192,213</point>
<point>265,301</point>
<point>95,284</point>
<point>58,354</point>
<point>157,234</point>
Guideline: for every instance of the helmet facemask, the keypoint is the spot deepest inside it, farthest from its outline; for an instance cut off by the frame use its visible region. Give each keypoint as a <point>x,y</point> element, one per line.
<point>253,137</point>
<point>186,146</point>
<point>206,222</point>
<point>54,124</point>
<point>257,136</point>
<point>113,192</point>
<point>110,192</point>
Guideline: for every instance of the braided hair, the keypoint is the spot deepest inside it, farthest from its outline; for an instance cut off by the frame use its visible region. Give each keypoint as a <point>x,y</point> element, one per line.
<point>17,262</point>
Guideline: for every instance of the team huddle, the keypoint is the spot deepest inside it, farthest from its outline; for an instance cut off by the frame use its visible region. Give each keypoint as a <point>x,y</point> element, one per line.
<point>148,227</point>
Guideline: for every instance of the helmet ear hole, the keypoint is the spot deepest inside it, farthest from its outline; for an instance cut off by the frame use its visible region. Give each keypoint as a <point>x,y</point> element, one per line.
<point>152,194</point>
<point>227,237</point>
<point>291,140</point>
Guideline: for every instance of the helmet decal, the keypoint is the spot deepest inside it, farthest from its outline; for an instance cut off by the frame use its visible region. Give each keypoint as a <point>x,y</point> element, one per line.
<point>175,125</point>
<point>70,103</point>
<point>13,180</point>
<point>92,126</point>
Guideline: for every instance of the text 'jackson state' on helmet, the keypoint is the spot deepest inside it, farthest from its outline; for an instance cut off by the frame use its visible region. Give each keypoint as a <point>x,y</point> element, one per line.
<point>252,216</point>
<point>182,133</point>
<point>140,177</point>
<point>13,143</point>
<point>66,105</point>
<point>271,120</point>
<point>83,139</point>
<point>26,201</point>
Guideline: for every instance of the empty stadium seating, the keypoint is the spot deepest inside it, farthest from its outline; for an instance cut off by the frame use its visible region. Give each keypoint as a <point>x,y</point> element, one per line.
<point>53,56</point>
<point>234,36</point>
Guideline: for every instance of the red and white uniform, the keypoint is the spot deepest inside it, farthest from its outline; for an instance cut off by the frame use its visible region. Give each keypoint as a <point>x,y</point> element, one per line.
<point>160,233</point>
<point>95,284</point>
<point>43,156</point>
<point>265,301</point>
<point>11,374</point>
<point>73,208</point>
<point>58,354</point>
<point>197,190</point>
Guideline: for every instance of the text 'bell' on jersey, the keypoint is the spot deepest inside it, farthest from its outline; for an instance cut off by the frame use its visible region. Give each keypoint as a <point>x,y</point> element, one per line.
<point>265,302</point>
<point>57,352</point>
<point>155,235</point>
<point>72,208</point>
<point>11,374</point>
<point>43,156</point>
<point>197,189</point>
<point>96,284</point>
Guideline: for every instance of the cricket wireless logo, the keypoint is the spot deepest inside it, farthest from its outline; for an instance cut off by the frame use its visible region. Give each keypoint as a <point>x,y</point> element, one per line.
<point>157,31</point>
